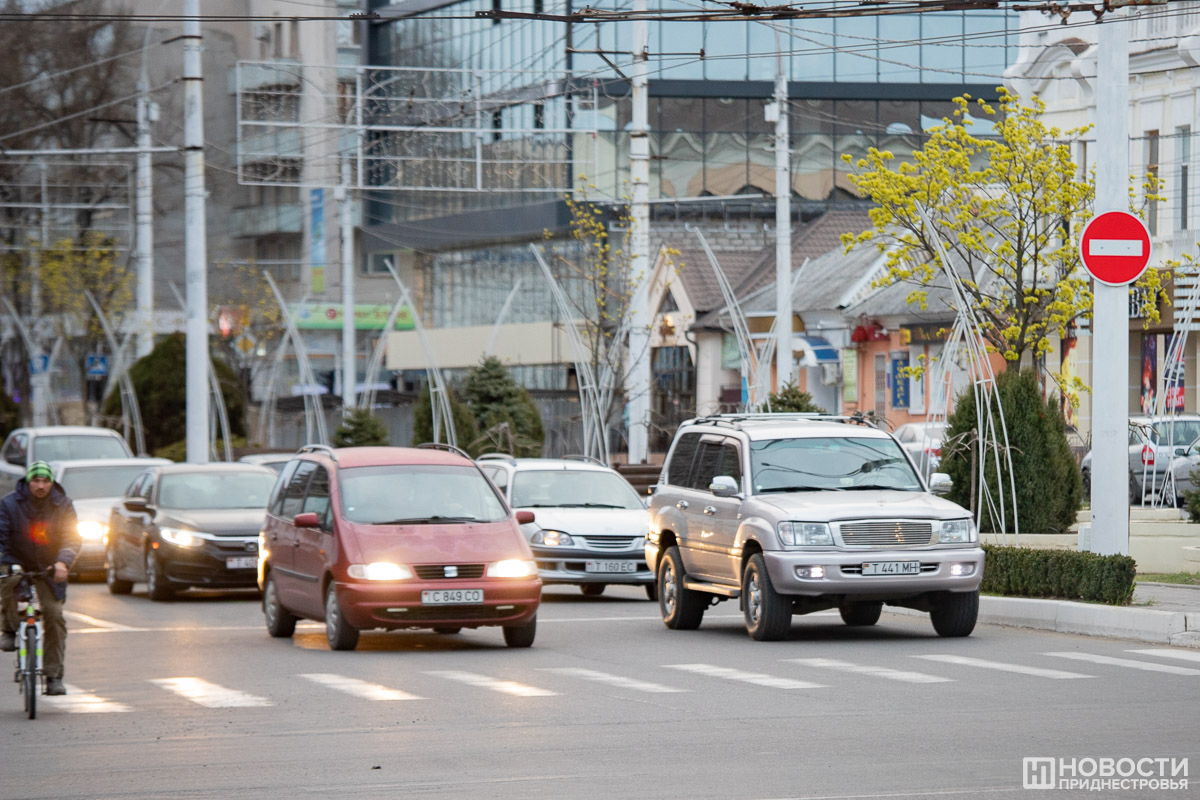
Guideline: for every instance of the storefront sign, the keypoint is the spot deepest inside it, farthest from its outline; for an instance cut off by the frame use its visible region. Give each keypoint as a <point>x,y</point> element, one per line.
<point>900,381</point>
<point>850,375</point>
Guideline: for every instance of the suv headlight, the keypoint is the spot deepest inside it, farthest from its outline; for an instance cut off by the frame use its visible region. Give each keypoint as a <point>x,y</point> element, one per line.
<point>552,539</point>
<point>956,531</point>
<point>181,537</point>
<point>805,533</point>
<point>91,530</point>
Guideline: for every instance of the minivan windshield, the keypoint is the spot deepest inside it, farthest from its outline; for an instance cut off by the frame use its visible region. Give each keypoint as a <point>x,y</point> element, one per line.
<point>418,494</point>
<point>85,483</point>
<point>832,464</point>
<point>68,448</point>
<point>213,490</point>
<point>544,488</point>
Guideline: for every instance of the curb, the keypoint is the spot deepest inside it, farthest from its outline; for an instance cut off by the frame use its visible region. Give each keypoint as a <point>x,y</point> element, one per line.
<point>1180,628</point>
<point>1191,586</point>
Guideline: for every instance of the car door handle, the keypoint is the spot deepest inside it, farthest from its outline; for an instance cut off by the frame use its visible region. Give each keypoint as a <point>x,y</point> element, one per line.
<point>682,504</point>
<point>710,510</point>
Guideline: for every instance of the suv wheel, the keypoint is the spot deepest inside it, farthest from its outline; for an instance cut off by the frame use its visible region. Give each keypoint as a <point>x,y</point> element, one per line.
<point>341,634</point>
<point>682,609</point>
<point>768,614</point>
<point>116,585</point>
<point>652,591</point>
<point>861,614</point>
<point>521,635</point>
<point>954,614</point>
<point>280,623</point>
<point>157,586</point>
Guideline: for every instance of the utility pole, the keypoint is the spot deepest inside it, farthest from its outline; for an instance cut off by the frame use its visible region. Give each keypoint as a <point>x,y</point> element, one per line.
<point>637,378</point>
<point>342,195</point>
<point>39,379</point>
<point>196,260</point>
<point>1109,532</point>
<point>783,225</point>
<point>144,221</point>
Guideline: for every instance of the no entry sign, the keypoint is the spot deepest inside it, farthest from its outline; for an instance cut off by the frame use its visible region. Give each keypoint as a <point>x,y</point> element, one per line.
<point>1115,248</point>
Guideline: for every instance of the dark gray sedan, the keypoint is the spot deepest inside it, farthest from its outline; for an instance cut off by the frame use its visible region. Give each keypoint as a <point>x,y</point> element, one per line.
<point>185,525</point>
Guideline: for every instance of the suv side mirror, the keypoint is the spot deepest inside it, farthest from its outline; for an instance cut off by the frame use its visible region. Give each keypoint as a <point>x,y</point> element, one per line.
<point>137,505</point>
<point>724,486</point>
<point>17,460</point>
<point>940,483</point>
<point>1181,451</point>
<point>524,517</point>
<point>307,519</point>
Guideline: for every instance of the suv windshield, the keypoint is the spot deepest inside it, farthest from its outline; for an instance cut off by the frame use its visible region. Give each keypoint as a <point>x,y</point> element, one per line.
<point>67,448</point>
<point>837,464</point>
<point>572,488</point>
<point>413,494</point>
<point>206,490</point>
<point>84,483</point>
<point>1176,433</point>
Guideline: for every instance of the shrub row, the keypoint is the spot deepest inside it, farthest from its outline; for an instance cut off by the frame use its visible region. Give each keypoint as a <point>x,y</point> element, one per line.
<point>1065,574</point>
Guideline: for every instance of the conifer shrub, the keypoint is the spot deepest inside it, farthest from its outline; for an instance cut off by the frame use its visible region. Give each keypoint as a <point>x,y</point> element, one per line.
<point>360,428</point>
<point>506,417</point>
<point>464,422</point>
<point>790,398</point>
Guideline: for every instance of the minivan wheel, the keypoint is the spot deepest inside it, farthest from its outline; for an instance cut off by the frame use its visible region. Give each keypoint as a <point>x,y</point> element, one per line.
<point>861,614</point>
<point>157,586</point>
<point>521,635</point>
<point>116,585</point>
<point>682,609</point>
<point>954,614</point>
<point>280,623</point>
<point>592,589</point>
<point>768,614</point>
<point>341,634</point>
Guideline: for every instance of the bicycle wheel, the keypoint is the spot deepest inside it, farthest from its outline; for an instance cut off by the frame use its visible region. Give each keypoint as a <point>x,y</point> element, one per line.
<point>30,684</point>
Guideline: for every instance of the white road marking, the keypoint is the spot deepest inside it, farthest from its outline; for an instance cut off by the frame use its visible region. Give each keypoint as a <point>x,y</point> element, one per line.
<point>876,672</point>
<point>1001,666</point>
<point>77,701</point>
<point>756,678</point>
<point>1128,662</point>
<point>1186,655</point>
<point>612,680</point>
<point>210,695</point>
<point>363,689</point>
<point>96,623</point>
<point>494,684</point>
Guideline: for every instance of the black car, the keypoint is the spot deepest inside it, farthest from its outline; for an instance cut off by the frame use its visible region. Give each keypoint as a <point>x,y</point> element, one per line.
<point>185,525</point>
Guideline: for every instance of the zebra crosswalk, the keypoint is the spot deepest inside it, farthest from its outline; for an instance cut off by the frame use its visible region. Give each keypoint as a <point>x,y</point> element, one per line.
<point>788,674</point>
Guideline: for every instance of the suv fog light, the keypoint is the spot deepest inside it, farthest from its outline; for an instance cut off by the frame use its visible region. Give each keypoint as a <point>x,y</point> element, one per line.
<point>810,572</point>
<point>962,569</point>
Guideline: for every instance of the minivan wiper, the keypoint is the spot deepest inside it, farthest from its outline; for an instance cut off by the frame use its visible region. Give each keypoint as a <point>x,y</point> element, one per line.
<point>800,489</point>
<point>425,520</point>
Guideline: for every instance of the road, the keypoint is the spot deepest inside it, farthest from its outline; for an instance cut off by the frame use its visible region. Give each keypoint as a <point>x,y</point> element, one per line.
<point>192,699</point>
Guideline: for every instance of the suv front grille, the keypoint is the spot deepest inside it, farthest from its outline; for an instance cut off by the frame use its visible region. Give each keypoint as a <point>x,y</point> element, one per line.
<point>886,533</point>
<point>429,572</point>
<point>610,542</point>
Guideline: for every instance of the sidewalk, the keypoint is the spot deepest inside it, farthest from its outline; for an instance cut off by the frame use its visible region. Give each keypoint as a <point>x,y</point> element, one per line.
<point>1162,613</point>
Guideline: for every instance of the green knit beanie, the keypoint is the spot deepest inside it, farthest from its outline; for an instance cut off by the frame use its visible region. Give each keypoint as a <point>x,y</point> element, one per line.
<point>39,469</point>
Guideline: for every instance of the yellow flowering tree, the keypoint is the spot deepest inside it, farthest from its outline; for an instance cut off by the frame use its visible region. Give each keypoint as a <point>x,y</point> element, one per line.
<point>1007,206</point>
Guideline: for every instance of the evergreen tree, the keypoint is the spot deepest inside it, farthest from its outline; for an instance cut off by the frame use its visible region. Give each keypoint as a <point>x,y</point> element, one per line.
<point>506,416</point>
<point>1047,480</point>
<point>790,398</point>
<point>360,428</point>
<point>464,423</point>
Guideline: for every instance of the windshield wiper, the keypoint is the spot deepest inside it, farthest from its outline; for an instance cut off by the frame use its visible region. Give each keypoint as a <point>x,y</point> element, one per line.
<point>424,520</point>
<point>800,489</point>
<point>589,505</point>
<point>866,486</point>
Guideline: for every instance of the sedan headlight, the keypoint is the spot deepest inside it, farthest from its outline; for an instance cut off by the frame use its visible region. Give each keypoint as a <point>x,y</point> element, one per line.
<point>181,537</point>
<point>379,571</point>
<point>512,568</point>
<point>552,539</point>
<point>810,534</point>
<point>91,531</point>
<point>956,531</point>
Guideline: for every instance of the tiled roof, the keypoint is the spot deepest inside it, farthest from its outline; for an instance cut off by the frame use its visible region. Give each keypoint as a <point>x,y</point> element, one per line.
<point>698,278</point>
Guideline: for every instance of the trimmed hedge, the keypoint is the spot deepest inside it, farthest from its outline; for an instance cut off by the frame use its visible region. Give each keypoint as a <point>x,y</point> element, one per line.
<point>1064,574</point>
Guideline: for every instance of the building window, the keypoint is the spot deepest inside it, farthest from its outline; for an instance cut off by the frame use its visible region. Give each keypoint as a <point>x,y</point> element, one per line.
<point>1183,135</point>
<point>539,116</point>
<point>1152,177</point>
<point>496,7</point>
<point>497,124</point>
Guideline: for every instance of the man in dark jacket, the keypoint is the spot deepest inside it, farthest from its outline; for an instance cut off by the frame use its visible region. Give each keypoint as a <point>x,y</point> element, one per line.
<point>38,531</point>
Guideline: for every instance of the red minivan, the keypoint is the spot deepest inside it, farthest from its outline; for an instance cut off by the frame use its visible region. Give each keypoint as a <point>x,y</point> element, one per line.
<point>394,538</point>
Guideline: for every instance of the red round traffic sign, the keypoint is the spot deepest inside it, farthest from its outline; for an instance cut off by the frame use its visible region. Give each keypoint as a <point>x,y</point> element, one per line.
<point>1115,248</point>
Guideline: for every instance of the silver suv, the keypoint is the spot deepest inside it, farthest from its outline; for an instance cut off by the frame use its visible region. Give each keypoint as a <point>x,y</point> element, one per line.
<point>795,513</point>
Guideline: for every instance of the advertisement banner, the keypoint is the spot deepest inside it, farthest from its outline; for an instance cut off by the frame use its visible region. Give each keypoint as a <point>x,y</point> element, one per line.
<point>1173,375</point>
<point>1149,381</point>
<point>850,375</point>
<point>328,316</point>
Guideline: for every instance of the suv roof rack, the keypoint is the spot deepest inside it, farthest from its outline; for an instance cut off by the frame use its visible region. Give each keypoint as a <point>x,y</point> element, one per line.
<point>443,446</point>
<point>318,448</point>
<point>581,457</point>
<point>497,457</point>
<point>857,418</point>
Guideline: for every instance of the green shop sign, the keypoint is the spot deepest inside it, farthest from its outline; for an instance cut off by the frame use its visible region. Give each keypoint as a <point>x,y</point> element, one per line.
<point>328,316</point>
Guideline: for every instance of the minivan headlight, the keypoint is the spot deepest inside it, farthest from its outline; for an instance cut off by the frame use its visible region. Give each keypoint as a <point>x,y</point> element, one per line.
<point>512,568</point>
<point>379,571</point>
<point>552,539</point>
<point>956,531</point>
<point>805,533</point>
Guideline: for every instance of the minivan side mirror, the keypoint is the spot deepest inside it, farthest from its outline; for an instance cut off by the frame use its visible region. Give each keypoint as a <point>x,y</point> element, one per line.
<point>723,486</point>
<point>524,517</point>
<point>307,519</point>
<point>137,505</point>
<point>940,483</point>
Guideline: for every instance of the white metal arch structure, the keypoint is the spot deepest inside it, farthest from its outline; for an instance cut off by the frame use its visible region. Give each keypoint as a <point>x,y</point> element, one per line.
<point>217,399</point>
<point>131,412</point>
<point>367,398</point>
<point>314,412</point>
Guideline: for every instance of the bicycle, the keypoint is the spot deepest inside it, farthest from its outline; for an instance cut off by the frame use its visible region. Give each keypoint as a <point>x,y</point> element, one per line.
<point>30,639</point>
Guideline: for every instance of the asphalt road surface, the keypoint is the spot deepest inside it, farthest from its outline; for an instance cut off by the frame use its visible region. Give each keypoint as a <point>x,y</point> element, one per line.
<point>192,699</point>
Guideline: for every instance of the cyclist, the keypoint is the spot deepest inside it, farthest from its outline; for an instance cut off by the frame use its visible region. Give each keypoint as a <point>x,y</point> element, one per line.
<point>37,531</point>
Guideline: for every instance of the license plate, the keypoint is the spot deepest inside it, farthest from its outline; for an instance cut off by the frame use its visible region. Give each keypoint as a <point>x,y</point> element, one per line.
<point>610,566</point>
<point>241,562</point>
<point>451,597</point>
<point>892,568</point>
